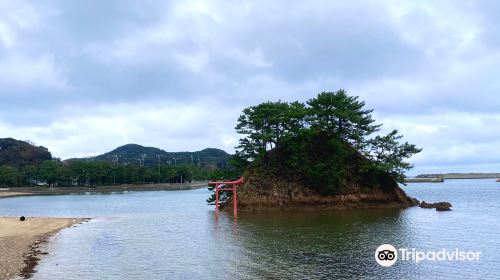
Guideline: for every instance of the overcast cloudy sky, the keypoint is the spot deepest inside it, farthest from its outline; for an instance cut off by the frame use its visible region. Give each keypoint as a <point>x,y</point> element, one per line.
<point>83,77</point>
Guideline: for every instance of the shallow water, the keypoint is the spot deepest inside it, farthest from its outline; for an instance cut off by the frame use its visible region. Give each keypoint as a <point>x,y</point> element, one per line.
<point>174,235</point>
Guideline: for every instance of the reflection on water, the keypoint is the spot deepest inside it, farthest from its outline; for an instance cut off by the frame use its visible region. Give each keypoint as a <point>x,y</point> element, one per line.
<point>174,235</point>
<point>315,245</point>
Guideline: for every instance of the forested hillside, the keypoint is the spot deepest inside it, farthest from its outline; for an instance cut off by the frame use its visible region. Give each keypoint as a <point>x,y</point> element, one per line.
<point>148,156</point>
<point>21,153</point>
<point>23,164</point>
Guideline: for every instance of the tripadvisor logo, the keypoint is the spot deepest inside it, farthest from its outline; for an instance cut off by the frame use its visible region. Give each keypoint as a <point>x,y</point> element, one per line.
<point>387,255</point>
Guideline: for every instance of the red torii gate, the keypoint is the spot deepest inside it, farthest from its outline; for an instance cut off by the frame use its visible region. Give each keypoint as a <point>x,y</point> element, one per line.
<point>234,185</point>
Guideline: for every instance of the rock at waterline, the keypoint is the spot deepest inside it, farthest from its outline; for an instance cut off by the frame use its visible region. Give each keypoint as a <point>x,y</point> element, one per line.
<point>22,218</point>
<point>440,206</point>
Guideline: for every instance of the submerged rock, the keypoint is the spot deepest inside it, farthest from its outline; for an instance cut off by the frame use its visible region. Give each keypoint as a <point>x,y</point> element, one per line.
<point>440,206</point>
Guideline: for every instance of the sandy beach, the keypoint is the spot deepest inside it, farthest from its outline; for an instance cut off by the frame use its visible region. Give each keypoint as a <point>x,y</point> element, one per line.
<point>20,242</point>
<point>5,194</point>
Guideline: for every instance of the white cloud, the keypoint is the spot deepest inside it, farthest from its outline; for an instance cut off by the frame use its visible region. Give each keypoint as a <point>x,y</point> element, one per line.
<point>441,28</point>
<point>6,35</point>
<point>19,70</point>
<point>450,138</point>
<point>177,75</point>
<point>190,33</point>
<point>196,62</point>
<point>167,125</point>
<point>16,16</point>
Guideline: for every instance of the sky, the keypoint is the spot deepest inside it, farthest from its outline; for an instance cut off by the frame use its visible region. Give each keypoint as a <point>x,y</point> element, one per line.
<point>84,77</point>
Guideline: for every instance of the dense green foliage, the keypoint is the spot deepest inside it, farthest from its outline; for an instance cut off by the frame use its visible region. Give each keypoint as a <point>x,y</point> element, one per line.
<point>330,140</point>
<point>341,116</point>
<point>89,173</point>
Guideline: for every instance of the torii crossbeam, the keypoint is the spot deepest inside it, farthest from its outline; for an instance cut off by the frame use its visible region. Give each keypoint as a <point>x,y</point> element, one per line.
<point>227,186</point>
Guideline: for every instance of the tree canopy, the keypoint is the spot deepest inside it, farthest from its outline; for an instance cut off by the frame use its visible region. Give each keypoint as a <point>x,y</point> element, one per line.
<point>320,138</point>
<point>89,173</point>
<point>341,115</point>
<point>266,124</point>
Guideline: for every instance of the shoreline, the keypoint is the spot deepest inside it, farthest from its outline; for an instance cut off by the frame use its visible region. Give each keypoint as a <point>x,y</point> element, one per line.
<point>467,175</point>
<point>21,242</point>
<point>32,191</point>
<point>424,180</point>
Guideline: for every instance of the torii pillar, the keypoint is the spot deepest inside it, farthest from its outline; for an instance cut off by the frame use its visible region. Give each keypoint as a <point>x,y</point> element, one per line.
<point>232,186</point>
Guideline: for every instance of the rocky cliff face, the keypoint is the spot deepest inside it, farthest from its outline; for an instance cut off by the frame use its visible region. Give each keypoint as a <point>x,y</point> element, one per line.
<point>20,153</point>
<point>318,170</point>
<point>261,191</point>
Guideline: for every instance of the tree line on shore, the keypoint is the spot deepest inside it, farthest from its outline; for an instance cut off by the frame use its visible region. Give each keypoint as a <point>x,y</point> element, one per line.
<point>91,173</point>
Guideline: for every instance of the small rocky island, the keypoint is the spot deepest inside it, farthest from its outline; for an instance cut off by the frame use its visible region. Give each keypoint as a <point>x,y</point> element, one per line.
<point>326,153</point>
<point>439,206</point>
<point>268,192</point>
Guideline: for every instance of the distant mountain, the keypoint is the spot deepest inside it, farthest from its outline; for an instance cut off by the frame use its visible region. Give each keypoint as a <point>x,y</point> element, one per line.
<point>131,153</point>
<point>21,153</point>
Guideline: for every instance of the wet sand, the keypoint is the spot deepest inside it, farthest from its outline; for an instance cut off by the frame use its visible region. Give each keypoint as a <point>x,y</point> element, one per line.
<point>5,194</point>
<point>20,242</point>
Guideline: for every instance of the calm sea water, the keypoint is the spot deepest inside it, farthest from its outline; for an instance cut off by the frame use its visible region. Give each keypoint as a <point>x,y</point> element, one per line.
<point>174,235</point>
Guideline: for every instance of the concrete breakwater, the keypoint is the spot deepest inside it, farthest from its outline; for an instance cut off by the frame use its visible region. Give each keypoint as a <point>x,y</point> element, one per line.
<point>424,180</point>
<point>460,176</point>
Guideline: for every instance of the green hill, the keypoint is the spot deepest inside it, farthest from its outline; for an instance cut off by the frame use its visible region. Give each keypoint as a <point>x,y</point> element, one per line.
<point>21,153</point>
<point>132,153</point>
